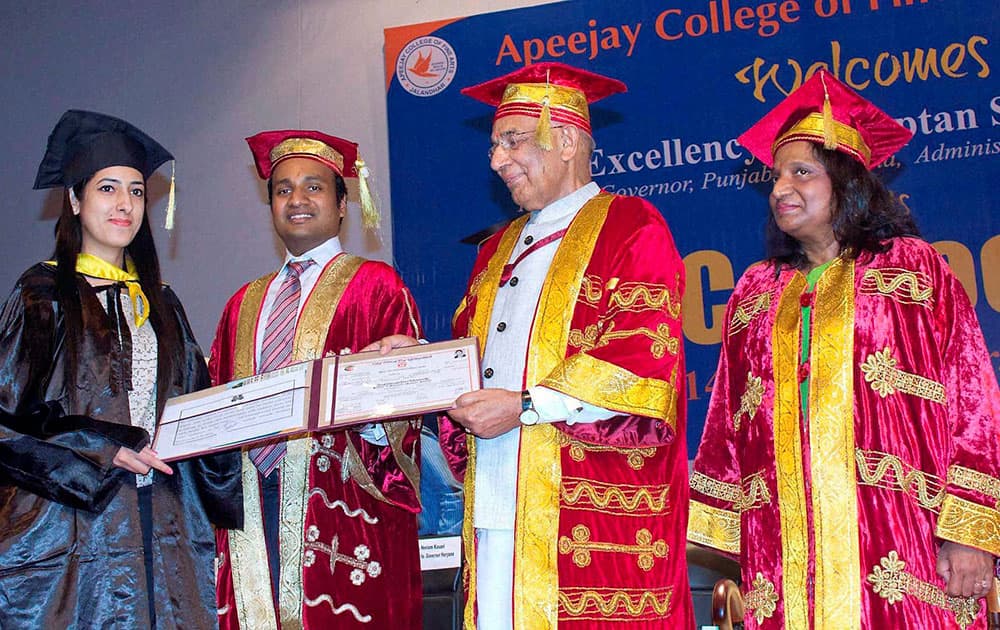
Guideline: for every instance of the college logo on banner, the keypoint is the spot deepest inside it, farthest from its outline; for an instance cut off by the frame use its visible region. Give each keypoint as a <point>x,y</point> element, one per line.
<point>426,66</point>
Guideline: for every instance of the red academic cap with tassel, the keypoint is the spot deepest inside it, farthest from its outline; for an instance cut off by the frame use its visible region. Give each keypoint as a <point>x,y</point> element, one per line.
<point>825,111</point>
<point>548,91</point>
<point>341,156</point>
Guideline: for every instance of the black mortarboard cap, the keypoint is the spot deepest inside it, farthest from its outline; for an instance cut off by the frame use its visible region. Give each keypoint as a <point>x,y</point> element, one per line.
<point>83,143</point>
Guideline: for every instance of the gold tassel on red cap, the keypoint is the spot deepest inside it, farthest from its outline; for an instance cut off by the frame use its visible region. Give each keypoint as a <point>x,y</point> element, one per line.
<point>543,133</point>
<point>829,132</point>
<point>370,217</point>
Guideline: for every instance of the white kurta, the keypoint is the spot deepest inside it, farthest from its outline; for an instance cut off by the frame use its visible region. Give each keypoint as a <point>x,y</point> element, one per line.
<point>503,366</point>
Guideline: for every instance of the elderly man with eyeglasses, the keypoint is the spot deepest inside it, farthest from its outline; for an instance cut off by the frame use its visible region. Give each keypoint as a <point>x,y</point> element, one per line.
<point>573,454</point>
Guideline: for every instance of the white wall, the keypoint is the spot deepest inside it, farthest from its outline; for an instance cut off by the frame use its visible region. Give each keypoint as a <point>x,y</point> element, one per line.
<point>199,77</point>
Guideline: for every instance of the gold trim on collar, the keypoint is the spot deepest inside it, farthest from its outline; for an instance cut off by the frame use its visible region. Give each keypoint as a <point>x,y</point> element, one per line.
<point>244,359</point>
<point>536,578</point>
<point>484,287</point>
<point>248,549</point>
<point>790,477</point>
<point>831,446</point>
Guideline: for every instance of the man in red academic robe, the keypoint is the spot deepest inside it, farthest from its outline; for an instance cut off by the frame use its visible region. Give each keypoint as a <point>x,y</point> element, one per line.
<point>330,530</point>
<point>573,454</point>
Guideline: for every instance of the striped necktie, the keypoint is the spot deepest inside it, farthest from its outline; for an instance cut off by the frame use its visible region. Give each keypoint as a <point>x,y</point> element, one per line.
<point>276,351</point>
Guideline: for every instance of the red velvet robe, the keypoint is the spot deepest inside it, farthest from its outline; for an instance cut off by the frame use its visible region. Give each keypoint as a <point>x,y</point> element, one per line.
<point>348,537</point>
<point>599,526</point>
<point>837,517</point>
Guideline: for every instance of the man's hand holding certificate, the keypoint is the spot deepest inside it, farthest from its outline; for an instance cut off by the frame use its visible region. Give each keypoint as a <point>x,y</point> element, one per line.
<point>319,395</point>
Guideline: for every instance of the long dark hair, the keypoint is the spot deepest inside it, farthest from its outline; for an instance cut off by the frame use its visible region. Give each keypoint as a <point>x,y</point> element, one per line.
<point>865,213</point>
<point>142,251</point>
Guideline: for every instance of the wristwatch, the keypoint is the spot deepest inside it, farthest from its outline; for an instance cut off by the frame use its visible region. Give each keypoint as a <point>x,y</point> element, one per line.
<point>529,415</point>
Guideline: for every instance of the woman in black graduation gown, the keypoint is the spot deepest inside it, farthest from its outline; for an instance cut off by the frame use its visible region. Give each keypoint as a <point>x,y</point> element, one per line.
<point>95,530</point>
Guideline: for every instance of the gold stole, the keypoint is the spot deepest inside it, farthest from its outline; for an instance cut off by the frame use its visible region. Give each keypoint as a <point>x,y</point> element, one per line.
<point>536,577</point>
<point>831,448</point>
<point>251,579</point>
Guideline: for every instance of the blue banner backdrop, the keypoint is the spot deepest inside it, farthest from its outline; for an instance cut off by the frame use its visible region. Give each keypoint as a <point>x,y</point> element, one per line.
<point>699,72</point>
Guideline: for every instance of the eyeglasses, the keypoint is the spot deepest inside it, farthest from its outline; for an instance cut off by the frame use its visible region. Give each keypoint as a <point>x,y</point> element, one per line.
<point>509,141</point>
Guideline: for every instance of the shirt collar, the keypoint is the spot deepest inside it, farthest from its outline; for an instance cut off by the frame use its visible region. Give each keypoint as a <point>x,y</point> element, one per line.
<point>321,254</point>
<point>568,205</point>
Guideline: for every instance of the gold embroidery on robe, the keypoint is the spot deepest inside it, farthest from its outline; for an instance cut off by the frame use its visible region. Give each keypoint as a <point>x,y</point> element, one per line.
<point>254,601</point>
<point>244,362</point>
<point>974,480</point>
<point>882,470</point>
<point>585,339</point>
<point>891,582</point>
<point>591,338</point>
<point>714,527</point>
<point>635,297</point>
<point>831,445</point>
<point>728,492</point>
<point>591,290</point>
<point>604,604</point>
<point>636,457</point>
<point>788,456</point>
<point>485,284</point>
<point>248,554</point>
<point>970,524</point>
<point>536,575</point>
<point>618,499</point>
<point>902,285</point>
<point>645,549</point>
<point>247,547</point>
<point>880,371</point>
<point>606,385</point>
<point>750,400</point>
<point>752,493</point>
<point>762,599</point>
<point>746,309</point>
<point>291,519</point>
<point>358,563</point>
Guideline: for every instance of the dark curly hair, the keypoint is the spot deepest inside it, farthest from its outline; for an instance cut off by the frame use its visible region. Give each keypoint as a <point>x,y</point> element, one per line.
<point>865,213</point>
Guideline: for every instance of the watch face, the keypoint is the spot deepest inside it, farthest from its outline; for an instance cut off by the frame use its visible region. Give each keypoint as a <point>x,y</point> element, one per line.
<point>529,416</point>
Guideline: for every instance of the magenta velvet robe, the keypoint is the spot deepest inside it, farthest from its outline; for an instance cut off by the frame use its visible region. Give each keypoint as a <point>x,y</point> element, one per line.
<point>349,555</point>
<point>836,516</point>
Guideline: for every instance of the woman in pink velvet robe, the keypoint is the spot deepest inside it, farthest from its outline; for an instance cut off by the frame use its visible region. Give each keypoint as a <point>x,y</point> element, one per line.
<point>849,457</point>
